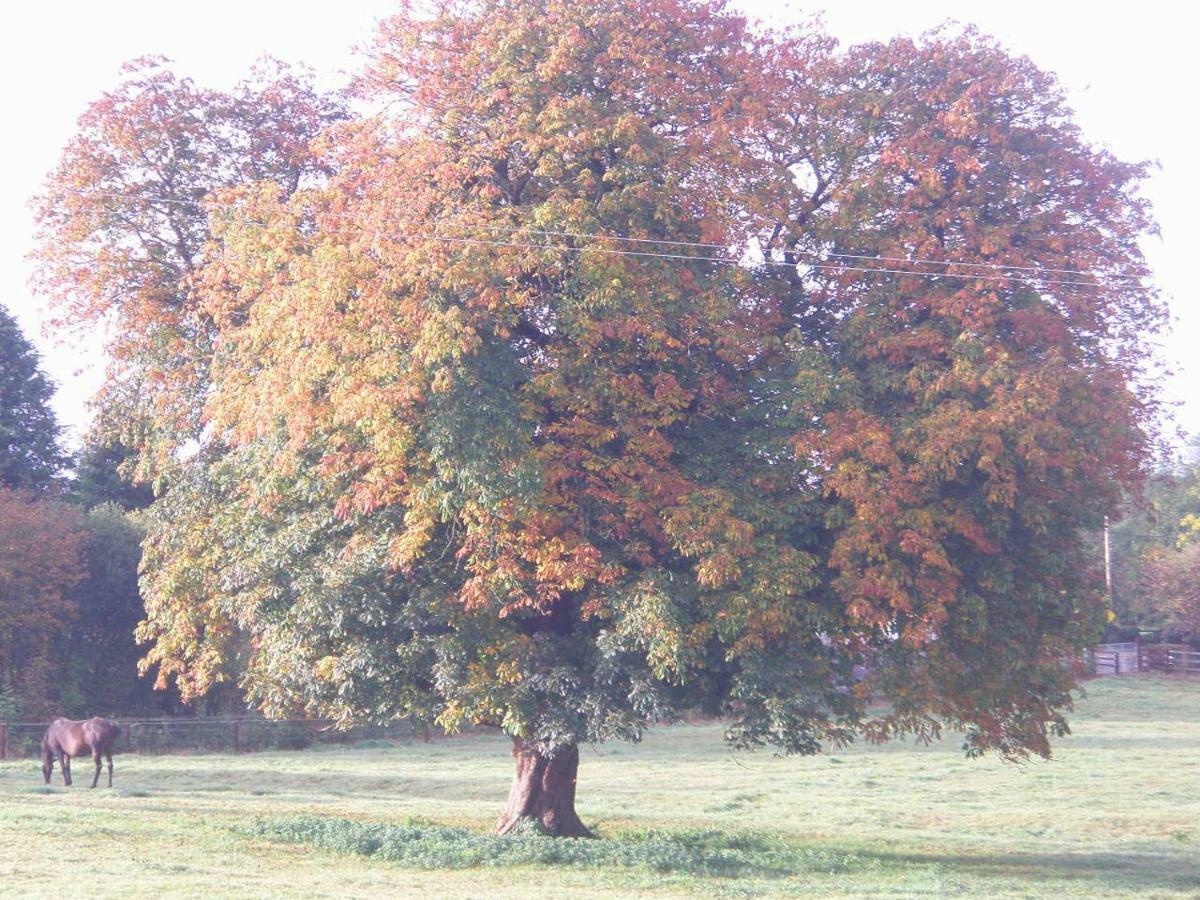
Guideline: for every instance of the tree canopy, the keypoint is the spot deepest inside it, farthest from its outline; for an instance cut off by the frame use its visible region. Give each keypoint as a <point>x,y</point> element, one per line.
<point>30,455</point>
<point>625,360</point>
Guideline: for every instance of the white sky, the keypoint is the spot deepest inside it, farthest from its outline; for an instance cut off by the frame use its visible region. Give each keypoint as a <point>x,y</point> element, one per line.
<point>1128,69</point>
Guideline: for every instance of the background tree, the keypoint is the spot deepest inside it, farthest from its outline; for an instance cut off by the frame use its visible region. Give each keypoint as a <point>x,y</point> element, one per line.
<point>1151,548</point>
<point>122,229</point>
<point>39,539</point>
<point>122,234</point>
<point>41,544</point>
<point>1171,580</point>
<point>99,653</point>
<point>103,473</point>
<point>488,422</point>
<point>30,455</point>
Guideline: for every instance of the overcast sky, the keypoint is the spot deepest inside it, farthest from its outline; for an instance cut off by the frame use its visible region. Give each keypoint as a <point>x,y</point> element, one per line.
<point>1125,67</point>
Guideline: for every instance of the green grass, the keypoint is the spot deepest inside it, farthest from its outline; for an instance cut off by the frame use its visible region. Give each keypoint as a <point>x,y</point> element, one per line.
<point>713,854</point>
<point>1116,813</point>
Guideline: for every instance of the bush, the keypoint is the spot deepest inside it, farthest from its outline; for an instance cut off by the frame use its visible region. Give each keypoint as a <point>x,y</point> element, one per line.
<point>10,707</point>
<point>424,846</point>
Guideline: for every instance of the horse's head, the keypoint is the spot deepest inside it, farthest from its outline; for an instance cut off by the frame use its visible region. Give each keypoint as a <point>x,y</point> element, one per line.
<point>47,760</point>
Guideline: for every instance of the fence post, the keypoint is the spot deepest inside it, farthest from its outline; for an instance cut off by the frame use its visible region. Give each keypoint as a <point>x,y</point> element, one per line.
<point>237,735</point>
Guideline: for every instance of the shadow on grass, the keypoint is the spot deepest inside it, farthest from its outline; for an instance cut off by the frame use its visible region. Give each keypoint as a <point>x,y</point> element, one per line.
<point>239,783</point>
<point>1144,871</point>
<point>302,784</point>
<point>713,854</point>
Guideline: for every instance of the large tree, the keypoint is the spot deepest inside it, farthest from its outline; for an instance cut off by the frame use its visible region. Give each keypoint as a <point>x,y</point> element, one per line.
<point>30,455</point>
<point>632,359</point>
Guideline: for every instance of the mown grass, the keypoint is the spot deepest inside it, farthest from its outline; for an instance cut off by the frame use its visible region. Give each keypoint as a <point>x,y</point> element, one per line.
<point>1115,814</point>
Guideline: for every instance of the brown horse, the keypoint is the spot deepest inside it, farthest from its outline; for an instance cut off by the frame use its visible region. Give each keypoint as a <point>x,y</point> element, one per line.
<point>65,739</point>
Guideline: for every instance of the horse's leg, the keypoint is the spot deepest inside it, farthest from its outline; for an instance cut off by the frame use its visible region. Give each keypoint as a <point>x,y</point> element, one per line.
<point>96,760</point>
<point>47,763</point>
<point>64,763</point>
<point>108,756</point>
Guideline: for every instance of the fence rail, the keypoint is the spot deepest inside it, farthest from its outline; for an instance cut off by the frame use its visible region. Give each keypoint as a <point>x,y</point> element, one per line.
<point>1183,661</point>
<point>216,735</point>
<point>1127,659</point>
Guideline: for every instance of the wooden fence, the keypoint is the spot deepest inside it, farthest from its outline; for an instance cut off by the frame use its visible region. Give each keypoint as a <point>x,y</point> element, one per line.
<point>1179,659</point>
<point>1115,659</point>
<point>1129,658</point>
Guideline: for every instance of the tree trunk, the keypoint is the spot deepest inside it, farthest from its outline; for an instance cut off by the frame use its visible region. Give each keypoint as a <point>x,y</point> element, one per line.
<point>543,789</point>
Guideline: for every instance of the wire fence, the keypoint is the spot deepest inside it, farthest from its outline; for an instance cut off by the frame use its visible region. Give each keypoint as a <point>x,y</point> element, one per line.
<point>217,735</point>
<point>246,734</point>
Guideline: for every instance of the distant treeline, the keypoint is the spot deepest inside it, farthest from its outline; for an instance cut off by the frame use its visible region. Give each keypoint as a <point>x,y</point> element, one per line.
<point>70,546</point>
<point>1155,550</point>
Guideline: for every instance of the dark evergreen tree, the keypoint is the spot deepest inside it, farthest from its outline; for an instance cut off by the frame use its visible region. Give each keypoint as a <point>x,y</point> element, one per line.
<point>30,455</point>
<point>102,674</point>
<point>100,476</point>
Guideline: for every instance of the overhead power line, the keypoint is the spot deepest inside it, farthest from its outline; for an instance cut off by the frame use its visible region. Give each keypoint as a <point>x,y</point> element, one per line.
<point>1007,273</point>
<point>953,262</point>
<point>566,248</point>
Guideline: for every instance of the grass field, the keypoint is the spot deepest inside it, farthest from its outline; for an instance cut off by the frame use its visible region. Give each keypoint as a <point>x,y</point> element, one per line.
<point>1116,813</point>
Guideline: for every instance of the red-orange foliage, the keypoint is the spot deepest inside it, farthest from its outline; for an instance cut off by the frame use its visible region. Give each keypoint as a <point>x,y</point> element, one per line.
<point>41,546</point>
<point>122,226</point>
<point>1171,581</point>
<point>486,434</point>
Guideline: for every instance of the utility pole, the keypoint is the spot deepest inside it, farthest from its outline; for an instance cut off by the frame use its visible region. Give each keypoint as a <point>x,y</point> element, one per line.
<point>1107,566</point>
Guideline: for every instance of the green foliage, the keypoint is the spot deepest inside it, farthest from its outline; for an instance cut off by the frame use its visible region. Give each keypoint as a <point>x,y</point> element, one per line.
<point>30,455</point>
<point>1149,546</point>
<point>10,706</point>
<point>102,475</point>
<point>98,648</point>
<point>706,853</point>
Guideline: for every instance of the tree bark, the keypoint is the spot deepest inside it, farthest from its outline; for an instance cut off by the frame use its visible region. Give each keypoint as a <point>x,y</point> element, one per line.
<point>543,789</point>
